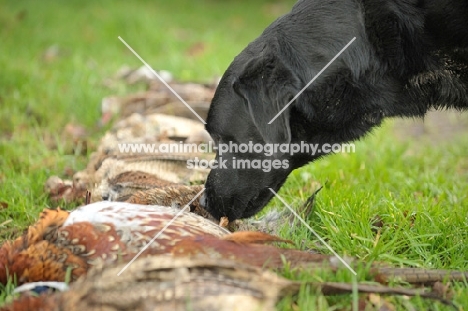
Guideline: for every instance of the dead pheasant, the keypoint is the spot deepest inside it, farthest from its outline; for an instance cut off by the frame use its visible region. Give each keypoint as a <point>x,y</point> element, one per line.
<point>109,163</point>
<point>171,195</point>
<point>165,283</point>
<point>96,234</point>
<point>158,99</point>
<point>124,185</point>
<point>168,167</point>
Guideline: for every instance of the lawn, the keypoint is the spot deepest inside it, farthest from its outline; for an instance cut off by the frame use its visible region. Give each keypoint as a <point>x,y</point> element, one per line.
<point>56,58</point>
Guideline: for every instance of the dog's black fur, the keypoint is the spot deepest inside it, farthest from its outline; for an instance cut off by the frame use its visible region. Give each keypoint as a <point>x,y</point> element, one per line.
<point>409,56</point>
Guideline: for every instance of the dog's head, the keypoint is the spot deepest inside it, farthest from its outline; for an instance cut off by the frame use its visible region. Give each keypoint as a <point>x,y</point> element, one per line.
<point>251,93</point>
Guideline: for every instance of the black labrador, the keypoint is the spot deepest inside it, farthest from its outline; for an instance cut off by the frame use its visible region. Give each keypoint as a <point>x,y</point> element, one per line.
<point>409,56</point>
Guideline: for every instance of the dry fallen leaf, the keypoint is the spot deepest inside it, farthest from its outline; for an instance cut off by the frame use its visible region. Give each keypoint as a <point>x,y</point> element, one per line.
<point>380,303</point>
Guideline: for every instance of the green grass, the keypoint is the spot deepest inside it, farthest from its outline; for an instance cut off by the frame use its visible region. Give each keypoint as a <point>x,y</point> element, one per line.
<point>417,189</point>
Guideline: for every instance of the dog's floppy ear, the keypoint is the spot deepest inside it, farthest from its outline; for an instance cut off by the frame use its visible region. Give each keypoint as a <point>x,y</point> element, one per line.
<point>268,84</point>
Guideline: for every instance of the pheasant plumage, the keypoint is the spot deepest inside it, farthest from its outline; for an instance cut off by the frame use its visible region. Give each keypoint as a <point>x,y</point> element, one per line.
<point>122,186</point>
<point>164,283</point>
<point>172,195</point>
<point>96,234</point>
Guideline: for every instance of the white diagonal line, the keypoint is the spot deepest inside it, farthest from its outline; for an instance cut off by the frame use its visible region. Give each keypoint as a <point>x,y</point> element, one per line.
<point>160,232</point>
<point>313,79</point>
<point>315,233</point>
<point>162,80</point>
